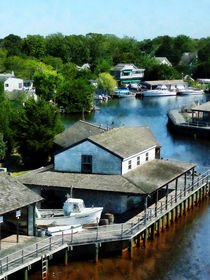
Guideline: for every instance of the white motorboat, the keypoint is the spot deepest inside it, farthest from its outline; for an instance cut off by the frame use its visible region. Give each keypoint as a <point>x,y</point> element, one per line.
<point>123,93</point>
<point>74,212</point>
<point>63,230</point>
<point>160,90</point>
<point>190,91</point>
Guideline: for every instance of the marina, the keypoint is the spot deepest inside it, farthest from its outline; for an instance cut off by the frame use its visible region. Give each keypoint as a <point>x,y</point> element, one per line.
<point>128,229</point>
<point>139,229</point>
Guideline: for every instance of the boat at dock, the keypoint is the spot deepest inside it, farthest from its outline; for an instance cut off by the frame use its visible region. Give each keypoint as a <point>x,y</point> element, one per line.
<point>123,93</point>
<point>74,212</point>
<point>190,91</point>
<point>160,90</point>
<point>63,230</point>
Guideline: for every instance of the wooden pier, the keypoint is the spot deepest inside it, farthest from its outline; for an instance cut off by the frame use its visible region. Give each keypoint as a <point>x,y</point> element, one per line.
<point>145,225</point>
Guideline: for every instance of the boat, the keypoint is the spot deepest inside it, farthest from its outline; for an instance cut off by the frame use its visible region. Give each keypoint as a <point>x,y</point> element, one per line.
<point>190,91</point>
<point>123,93</point>
<point>160,90</point>
<point>63,230</point>
<point>74,212</point>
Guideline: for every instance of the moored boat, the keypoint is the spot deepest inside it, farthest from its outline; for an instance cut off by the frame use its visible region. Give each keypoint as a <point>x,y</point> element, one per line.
<point>159,91</point>
<point>63,230</point>
<point>190,91</point>
<point>74,212</point>
<point>123,93</point>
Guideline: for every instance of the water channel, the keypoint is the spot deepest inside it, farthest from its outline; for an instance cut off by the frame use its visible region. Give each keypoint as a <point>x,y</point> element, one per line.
<point>183,251</point>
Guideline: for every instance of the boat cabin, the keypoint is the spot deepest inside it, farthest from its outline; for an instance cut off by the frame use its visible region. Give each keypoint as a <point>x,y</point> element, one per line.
<point>73,205</point>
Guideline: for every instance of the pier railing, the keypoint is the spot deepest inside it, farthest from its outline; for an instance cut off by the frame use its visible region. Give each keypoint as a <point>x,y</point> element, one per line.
<point>116,232</point>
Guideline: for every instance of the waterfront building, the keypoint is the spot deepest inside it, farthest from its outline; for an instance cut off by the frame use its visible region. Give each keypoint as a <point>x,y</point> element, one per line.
<point>170,84</point>
<point>127,74</point>
<point>114,168</point>
<point>17,201</point>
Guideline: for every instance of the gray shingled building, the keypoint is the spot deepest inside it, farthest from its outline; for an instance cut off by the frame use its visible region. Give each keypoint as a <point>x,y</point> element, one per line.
<point>114,168</point>
<point>15,196</point>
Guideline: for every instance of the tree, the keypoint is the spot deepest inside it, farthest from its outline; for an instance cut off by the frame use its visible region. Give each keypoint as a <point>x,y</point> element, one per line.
<point>162,72</point>
<point>34,45</point>
<point>2,147</point>
<point>3,55</point>
<point>7,117</point>
<point>202,70</point>
<point>76,95</point>
<point>106,82</point>
<point>25,67</point>
<point>37,124</point>
<point>13,44</point>
<point>47,83</point>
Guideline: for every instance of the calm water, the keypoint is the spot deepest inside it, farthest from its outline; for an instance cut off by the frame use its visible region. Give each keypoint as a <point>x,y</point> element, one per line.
<point>183,251</point>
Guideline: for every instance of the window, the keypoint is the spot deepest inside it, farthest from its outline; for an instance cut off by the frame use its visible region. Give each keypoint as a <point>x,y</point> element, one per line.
<point>6,85</point>
<point>20,85</point>
<point>86,164</point>
<point>147,156</point>
<point>129,164</point>
<point>138,160</point>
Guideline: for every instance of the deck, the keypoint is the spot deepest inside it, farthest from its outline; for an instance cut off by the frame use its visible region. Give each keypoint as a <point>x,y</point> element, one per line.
<point>47,246</point>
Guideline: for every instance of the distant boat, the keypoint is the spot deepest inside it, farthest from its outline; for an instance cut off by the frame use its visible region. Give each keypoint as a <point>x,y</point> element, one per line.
<point>123,93</point>
<point>159,91</point>
<point>190,91</point>
<point>74,213</point>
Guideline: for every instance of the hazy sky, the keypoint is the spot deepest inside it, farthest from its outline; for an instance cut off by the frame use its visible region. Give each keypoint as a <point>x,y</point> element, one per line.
<point>142,19</point>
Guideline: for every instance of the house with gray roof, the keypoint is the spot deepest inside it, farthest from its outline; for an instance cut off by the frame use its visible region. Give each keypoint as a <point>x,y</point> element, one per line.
<point>115,151</point>
<point>17,199</point>
<point>127,73</point>
<point>163,60</point>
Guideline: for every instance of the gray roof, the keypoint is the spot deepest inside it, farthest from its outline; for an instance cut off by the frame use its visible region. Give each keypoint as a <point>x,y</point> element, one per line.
<point>14,195</point>
<point>166,82</point>
<point>125,66</point>
<point>157,173</point>
<point>143,180</point>
<point>76,133</point>
<point>47,177</point>
<point>161,59</point>
<point>205,107</point>
<point>126,141</point>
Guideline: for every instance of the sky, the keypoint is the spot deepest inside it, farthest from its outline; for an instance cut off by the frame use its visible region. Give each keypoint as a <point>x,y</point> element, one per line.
<point>140,19</point>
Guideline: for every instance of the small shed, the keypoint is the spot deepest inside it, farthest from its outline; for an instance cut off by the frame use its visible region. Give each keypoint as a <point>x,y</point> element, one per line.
<point>201,113</point>
<point>17,201</point>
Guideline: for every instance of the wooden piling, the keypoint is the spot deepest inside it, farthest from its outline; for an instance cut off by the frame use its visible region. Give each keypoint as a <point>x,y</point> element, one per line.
<point>131,249</point>
<point>26,274</point>
<point>66,256</point>
<point>97,251</point>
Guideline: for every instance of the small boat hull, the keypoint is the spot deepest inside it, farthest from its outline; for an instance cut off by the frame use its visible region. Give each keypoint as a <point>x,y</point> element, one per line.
<point>90,216</point>
<point>63,230</point>
<point>190,92</point>
<point>155,93</point>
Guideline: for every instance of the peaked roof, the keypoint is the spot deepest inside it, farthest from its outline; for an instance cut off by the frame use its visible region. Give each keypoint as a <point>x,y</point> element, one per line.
<point>126,141</point>
<point>162,58</point>
<point>205,107</point>
<point>14,195</point>
<point>76,133</point>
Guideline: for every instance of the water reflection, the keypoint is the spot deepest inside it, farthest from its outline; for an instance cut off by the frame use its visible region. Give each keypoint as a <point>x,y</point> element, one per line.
<point>180,253</point>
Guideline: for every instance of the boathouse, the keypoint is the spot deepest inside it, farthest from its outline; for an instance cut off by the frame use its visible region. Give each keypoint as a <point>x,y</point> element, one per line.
<point>170,84</point>
<point>201,114</point>
<point>17,204</point>
<point>115,168</point>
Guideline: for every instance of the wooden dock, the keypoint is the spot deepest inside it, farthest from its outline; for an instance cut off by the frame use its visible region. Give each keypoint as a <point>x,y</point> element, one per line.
<point>146,224</point>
